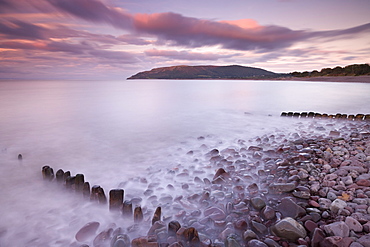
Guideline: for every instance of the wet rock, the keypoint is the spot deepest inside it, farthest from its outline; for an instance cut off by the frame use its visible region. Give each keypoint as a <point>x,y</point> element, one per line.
<point>353,224</point>
<point>288,208</point>
<point>337,229</point>
<point>143,242</point>
<point>258,227</point>
<point>268,213</point>
<point>253,189</point>
<point>277,188</point>
<point>258,203</point>
<point>87,231</point>
<point>231,242</point>
<point>289,229</point>
<point>256,243</point>
<point>271,243</point>
<point>102,238</point>
<point>249,235</point>
<point>120,240</point>
<point>214,213</point>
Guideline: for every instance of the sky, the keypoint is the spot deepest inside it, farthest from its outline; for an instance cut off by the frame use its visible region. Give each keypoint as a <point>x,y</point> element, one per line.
<point>114,39</point>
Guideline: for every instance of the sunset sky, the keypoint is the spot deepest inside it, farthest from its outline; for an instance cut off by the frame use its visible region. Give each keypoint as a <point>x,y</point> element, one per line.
<point>113,39</point>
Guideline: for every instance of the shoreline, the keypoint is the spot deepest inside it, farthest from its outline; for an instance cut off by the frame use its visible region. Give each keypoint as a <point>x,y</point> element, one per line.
<point>357,79</point>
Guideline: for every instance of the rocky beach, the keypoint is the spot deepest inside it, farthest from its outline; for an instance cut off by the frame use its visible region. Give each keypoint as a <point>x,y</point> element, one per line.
<point>309,187</point>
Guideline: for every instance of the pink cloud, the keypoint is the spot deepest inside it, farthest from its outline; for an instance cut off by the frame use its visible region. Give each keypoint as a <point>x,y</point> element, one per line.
<point>185,55</point>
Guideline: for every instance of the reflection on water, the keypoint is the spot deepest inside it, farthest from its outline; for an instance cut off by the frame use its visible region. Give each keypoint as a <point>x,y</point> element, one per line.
<point>114,131</point>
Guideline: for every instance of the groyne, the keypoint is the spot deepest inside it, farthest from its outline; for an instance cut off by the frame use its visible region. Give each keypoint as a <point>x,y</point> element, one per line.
<point>338,116</point>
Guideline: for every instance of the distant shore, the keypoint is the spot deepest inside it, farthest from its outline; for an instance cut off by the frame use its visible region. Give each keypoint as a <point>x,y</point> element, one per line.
<point>363,78</point>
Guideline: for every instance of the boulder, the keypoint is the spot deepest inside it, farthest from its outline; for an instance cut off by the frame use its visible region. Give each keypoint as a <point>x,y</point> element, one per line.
<point>353,224</point>
<point>288,208</point>
<point>336,241</point>
<point>364,240</point>
<point>277,188</point>
<point>338,228</point>
<point>87,231</point>
<point>288,228</point>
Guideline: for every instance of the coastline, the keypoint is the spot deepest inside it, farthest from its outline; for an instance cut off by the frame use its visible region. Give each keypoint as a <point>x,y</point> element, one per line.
<point>361,79</point>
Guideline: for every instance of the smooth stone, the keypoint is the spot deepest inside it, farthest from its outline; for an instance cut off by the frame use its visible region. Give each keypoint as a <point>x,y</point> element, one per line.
<point>271,243</point>
<point>337,204</point>
<point>364,240</point>
<point>120,240</point>
<point>336,241</point>
<point>331,196</point>
<point>288,228</point>
<point>87,231</point>
<point>256,243</point>
<point>301,194</point>
<point>317,237</point>
<point>310,225</point>
<point>353,224</point>
<point>324,203</point>
<point>288,208</point>
<point>337,229</point>
<point>258,203</point>
<point>249,235</point>
<point>258,227</point>
<point>231,242</point>
<point>281,187</point>
<point>268,213</point>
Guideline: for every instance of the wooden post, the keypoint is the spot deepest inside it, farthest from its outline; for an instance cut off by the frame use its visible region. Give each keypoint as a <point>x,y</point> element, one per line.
<point>127,209</point>
<point>138,214</point>
<point>115,199</point>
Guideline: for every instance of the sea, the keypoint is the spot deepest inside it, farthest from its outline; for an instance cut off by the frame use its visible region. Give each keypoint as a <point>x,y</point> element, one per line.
<point>135,135</point>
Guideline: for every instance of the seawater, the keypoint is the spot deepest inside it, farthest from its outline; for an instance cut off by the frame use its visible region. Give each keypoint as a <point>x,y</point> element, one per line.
<point>121,133</point>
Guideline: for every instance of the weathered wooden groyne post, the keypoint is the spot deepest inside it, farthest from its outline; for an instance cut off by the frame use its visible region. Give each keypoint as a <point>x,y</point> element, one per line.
<point>316,115</point>
<point>116,199</point>
<point>47,173</point>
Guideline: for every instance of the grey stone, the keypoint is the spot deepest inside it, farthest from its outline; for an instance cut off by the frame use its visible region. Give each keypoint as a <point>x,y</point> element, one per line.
<point>364,240</point>
<point>337,204</point>
<point>353,224</point>
<point>331,196</point>
<point>256,243</point>
<point>288,228</point>
<point>268,213</point>
<point>249,235</point>
<point>87,231</point>
<point>281,187</point>
<point>337,229</point>
<point>324,203</point>
<point>258,203</point>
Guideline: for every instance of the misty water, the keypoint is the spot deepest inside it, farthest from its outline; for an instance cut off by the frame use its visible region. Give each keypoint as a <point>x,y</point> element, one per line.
<point>137,135</point>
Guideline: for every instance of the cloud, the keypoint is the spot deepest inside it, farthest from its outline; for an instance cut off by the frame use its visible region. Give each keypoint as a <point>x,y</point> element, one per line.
<point>20,29</point>
<point>185,55</point>
<point>95,11</point>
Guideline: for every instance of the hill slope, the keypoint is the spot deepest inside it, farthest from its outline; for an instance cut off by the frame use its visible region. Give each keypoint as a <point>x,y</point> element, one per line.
<point>205,72</point>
